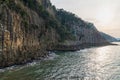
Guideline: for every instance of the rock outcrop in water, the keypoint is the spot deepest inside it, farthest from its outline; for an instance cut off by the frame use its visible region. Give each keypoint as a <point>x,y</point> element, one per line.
<point>31,27</point>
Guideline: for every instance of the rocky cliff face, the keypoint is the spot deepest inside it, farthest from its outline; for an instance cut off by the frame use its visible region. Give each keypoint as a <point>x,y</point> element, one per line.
<point>26,33</point>
<point>84,32</point>
<point>31,27</point>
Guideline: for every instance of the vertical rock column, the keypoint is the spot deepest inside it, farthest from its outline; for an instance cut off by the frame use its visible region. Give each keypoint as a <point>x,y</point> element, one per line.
<point>0,40</point>
<point>7,42</point>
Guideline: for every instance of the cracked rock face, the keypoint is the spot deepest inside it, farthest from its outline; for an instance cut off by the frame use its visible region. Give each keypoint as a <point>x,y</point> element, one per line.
<point>21,34</point>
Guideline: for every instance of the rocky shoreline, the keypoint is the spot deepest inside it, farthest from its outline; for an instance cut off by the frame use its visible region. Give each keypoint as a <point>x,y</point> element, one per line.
<point>51,55</point>
<point>58,48</point>
<point>78,47</point>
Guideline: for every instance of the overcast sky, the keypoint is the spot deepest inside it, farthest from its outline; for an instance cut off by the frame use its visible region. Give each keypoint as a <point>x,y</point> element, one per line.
<point>105,14</point>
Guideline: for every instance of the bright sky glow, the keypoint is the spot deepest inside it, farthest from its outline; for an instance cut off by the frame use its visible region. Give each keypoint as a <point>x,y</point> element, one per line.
<point>105,14</point>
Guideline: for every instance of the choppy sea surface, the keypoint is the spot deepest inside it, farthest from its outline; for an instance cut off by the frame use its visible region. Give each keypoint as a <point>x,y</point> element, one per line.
<point>97,63</point>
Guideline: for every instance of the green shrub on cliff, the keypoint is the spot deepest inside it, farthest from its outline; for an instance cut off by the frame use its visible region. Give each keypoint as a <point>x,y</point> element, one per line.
<point>30,3</point>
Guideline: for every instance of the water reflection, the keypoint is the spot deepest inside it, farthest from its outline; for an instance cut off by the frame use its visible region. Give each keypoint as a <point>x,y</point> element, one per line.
<point>106,60</point>
<point>98,58</point>
<point>101,63</point>
<point>102,54</point>
<point>89,64</point>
